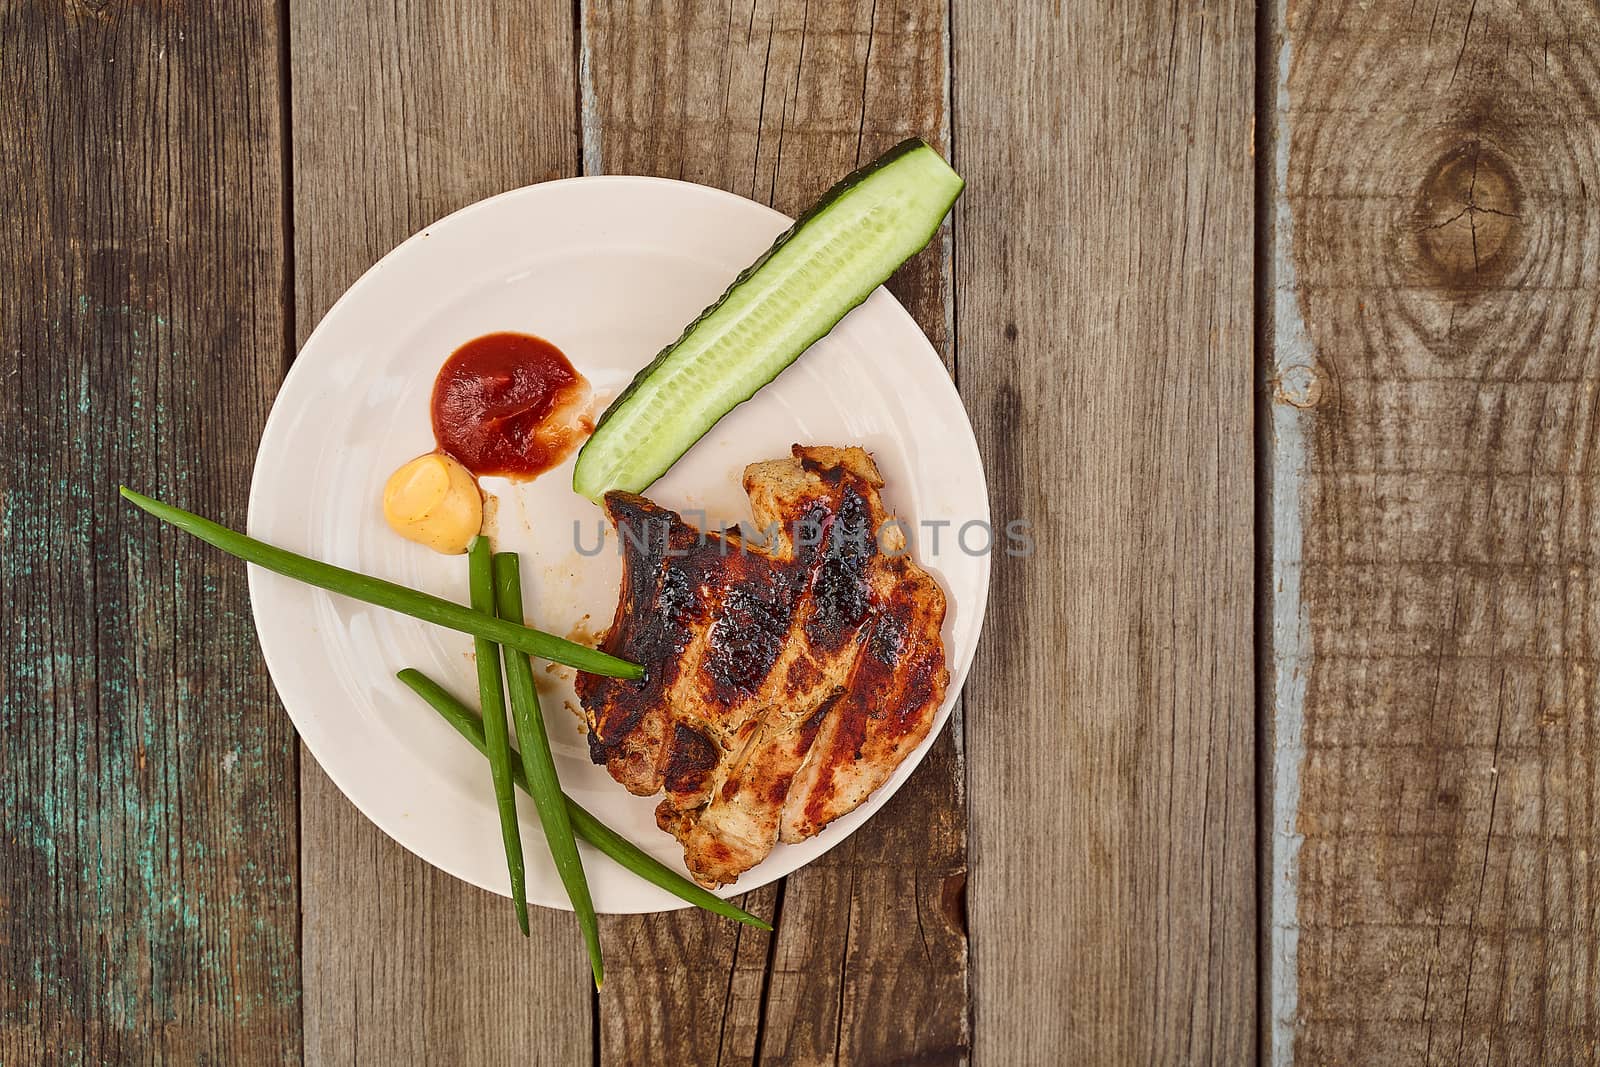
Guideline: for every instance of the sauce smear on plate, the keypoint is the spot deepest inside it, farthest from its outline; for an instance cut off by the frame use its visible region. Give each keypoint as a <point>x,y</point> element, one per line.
<point>509,404</point>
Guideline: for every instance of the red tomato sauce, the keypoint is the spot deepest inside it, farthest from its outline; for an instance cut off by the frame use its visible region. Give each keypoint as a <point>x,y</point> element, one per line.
<point>509,404</point>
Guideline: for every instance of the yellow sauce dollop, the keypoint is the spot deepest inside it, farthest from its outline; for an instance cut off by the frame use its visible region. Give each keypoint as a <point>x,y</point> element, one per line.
<point>434,501</point>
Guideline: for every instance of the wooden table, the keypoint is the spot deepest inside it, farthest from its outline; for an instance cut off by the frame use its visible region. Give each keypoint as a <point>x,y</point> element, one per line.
<point>1281,327</point>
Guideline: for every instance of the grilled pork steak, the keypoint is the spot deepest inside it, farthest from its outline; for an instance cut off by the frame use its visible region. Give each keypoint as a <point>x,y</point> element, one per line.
<point>784,680</point>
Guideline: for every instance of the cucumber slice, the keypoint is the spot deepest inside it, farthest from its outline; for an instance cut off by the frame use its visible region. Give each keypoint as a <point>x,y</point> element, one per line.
<point>829,261</point>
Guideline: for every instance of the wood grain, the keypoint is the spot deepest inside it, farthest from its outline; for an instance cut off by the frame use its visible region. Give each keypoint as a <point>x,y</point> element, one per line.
<point>1438,332</point>
<point>868,965</point>
<point>147,842</point>
<point>401,114</point>
<point>1104,340</point>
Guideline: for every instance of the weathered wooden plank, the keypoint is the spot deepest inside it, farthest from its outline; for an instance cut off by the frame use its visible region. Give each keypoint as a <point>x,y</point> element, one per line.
<point>147,848</point>
<point>1104,339</point>
<point>1436,357</point>
<point>402,114</point>
<point>774,101</point>
<point>683,987</point>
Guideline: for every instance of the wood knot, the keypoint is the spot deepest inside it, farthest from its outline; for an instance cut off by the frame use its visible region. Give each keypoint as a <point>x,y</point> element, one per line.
<point>1298,385</point>
<point>1468,216</point>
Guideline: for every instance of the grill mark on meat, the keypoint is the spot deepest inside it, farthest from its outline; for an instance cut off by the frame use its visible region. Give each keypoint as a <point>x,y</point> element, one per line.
<point>655,621</point>
<point>744,642</point>
<point>778,789</point>
<point>852,709</point>
<point>887,640</point>
<point>840,594</point>
<point>692,758</point>
<point>914,670</point>
<point>808,735</point>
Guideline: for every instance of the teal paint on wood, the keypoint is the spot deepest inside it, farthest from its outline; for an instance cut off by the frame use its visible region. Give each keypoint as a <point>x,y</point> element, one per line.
<point>148,855</point>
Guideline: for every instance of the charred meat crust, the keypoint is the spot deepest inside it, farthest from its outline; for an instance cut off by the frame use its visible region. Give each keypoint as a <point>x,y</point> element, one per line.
<point>784,681</point>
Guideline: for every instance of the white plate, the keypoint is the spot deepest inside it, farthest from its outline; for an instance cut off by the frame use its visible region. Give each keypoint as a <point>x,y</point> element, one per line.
<point>609,269</point>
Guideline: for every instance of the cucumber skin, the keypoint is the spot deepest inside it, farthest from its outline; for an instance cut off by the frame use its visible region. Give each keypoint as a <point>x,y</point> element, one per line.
<point>828,199</point>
